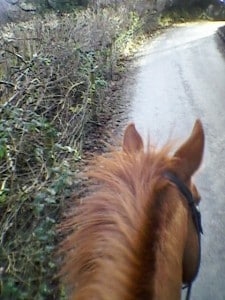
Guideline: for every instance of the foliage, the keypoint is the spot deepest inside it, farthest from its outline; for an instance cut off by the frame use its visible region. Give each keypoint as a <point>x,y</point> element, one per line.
<point>62,5</point>
<point>30,198</point>
<point>194,3</point>
<point>54,74</point>
<point>172,16</point>
<point>216,12</point>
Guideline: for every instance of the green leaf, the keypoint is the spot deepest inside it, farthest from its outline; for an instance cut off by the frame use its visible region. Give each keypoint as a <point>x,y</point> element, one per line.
<point>2,151</point>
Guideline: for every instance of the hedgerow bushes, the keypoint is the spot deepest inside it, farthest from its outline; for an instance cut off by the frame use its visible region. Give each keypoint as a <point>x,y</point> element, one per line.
<point>54,73</point>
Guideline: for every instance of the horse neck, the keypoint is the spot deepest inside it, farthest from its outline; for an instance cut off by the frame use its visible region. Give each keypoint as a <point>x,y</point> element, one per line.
<point>169,256</point>
<point>135,241</point>
<point>155,272</point>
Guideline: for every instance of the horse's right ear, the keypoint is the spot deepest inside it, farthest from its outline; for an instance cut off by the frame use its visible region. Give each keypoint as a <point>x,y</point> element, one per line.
<point>132,141</point>
<point>189,155</point>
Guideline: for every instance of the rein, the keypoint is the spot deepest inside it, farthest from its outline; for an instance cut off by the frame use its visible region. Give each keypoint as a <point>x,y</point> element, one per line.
<point>196,217</point>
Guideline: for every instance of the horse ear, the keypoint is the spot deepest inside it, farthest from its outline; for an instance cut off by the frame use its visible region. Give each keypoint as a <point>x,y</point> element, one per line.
<point>132,141</point>
<point>189,155</point>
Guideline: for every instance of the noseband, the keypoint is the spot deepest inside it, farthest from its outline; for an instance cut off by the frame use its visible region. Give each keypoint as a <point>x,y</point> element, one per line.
<point>196,217</point>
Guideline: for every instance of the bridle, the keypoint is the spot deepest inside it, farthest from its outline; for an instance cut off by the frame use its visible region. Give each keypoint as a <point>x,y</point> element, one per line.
<point>196,217</point>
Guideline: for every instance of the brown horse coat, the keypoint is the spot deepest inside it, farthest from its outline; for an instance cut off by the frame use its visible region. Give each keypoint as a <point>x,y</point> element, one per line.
<point>134,237</point>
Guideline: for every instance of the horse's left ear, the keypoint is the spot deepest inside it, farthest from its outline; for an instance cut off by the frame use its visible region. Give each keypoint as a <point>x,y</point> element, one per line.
<point>189,155</point>
<point>132,141</point>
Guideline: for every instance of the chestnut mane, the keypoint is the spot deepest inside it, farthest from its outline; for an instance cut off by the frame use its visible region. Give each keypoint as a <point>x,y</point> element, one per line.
<point>117,227</point>
<point>111,253</point>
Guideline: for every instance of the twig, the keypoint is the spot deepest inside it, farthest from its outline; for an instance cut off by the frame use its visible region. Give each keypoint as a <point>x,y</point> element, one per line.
<point>9,101</point>
<point>17,55</point>
<point>7,83</point>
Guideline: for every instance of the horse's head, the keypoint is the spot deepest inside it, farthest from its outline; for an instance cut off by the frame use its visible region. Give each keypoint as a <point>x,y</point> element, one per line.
<point>138,232</point>
<point>184,163</point>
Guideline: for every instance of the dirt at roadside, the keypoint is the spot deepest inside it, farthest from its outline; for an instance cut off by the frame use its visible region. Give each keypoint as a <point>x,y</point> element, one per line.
<point>111,123</point>
<point>221,40</point>
<point>221,33</point>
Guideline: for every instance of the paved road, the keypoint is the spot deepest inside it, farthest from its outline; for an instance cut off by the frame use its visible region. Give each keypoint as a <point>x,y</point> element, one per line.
<point>181,77</point>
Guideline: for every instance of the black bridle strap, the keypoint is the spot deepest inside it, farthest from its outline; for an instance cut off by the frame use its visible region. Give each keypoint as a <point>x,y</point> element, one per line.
<point>196,216</point>
<point>188,295</point>
<point>184,190</point>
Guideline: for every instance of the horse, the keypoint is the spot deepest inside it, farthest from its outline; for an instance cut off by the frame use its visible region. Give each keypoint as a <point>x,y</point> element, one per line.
<point>136,235</point>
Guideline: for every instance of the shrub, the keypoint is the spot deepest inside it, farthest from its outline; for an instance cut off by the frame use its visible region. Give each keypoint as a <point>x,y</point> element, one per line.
<point>54,73</point>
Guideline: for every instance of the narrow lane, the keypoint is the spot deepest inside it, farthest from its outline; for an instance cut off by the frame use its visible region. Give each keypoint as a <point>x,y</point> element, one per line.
<point>181,77</point>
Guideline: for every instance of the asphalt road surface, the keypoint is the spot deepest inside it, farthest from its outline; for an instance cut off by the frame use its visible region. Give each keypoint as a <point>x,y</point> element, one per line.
<point>181,77</point>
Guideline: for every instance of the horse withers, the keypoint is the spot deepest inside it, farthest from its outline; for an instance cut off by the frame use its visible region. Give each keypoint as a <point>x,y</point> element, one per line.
<point>136,236</point>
